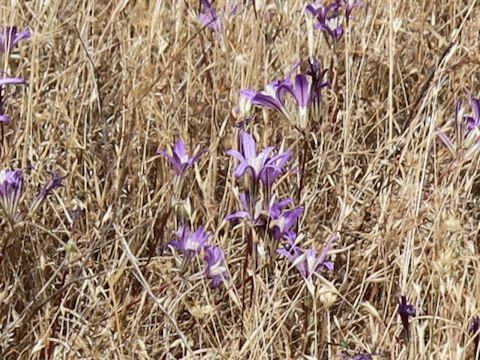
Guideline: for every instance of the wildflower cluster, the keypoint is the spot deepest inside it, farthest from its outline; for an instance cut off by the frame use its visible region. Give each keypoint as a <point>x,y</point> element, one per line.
<point>304,88</point>
<point>12,181</point>
<point>196,242</point>
<point>192,243</point>
<point>465,140</point>
<point>212,19</point>
<point>330,18</point>
<point>276,222</point>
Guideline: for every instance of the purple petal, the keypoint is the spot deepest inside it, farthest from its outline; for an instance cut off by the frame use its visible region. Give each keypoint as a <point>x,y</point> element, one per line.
<point>238,216</point>
<point>476,108</point>
<point>11,81</point>
<point>241,169</point>
<point>248,94</point>
<point>237,155</point>
<point>248,145</point>
<point>267,101</point>
<point>328,265</point>
<point>5,119</point>
<point>180,149</point>
<point>302,94</point>
<point>197,156</point>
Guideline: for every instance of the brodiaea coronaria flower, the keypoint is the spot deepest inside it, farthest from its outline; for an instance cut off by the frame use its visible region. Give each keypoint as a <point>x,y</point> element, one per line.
<point>209,17</point>
<point>215,261</point>
<point>256,164</point>
<point>282,222</point>
<point>11,187</point>
<point>308,261</point>
<point>190,243</point>
<point>180,159</point>
<point>328,18</point>
<point>466,130</point>
<point>9,38</point>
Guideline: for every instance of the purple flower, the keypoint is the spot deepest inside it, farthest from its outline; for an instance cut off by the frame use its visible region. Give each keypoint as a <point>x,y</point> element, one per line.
<point>277,168</point>
<point>352,4</point>
<point>300,89</point>
<point>281,222</point>
<point>405,310</point>
<point>327,17</point>
<point>308,261</point>
<point>215,261</point>
<point>180,160</point>
<point>466,130</point>
<point>209,17</point>
<point>257,164</point>
<point>475,331</point>
<point>472,122</point>
<point>318,83</point>
<point>190,243</point>
<point>271,98</point>
<point>9,38</point>
<point>11,188</point>
<point>4,118</point>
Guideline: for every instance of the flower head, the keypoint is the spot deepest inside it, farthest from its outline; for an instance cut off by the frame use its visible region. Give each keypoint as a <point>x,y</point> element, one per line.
<point>191,243</point>
<point>11,188</point>
<point>405,310</point>
<point>282,222</point>
<point>328,18</point>
<point>215,265</point>
<point>304,88</point>
<point>9,38</point>
<point>180,160</point>
<point>466,130</point>
<point>273,97</point>
<point>472,121</point>
<point>209,17</point>
<point>256,164</point>
<point>308,261</point>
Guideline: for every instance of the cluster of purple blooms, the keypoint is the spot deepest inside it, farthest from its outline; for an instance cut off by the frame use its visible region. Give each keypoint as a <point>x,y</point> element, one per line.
<point>11,182</point>
<point>192,243</point>
<point>210,18</point>
<point>277,221</point>
<point>11,191</point>
<point>304,88</point>
<point>466,130</point>
<point>329,16</point>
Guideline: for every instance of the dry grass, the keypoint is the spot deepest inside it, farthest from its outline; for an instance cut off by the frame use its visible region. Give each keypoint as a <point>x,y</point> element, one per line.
<point>112,81</point>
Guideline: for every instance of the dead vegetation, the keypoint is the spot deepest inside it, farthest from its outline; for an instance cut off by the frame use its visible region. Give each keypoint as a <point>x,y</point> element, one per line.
<point>110,82</point>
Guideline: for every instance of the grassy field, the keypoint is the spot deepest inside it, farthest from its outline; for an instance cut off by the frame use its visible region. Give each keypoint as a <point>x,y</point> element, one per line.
<point>356,236</point>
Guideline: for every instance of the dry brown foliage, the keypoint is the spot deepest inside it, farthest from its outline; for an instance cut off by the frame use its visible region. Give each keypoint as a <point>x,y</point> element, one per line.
<point>110,82</point>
